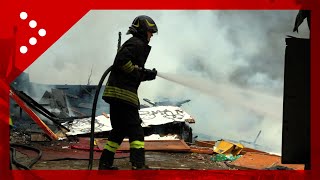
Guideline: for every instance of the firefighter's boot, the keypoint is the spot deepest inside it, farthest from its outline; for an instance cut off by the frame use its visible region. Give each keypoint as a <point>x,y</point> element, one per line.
<point>137,158</point>
<point>106,161</point>
<point>140,166</point>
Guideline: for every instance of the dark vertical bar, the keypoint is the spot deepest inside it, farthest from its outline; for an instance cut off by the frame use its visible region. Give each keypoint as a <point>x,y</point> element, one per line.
<point>296,103</point>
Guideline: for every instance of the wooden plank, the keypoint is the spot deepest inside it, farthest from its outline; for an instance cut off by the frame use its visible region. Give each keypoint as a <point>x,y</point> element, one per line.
<point>260,161</point>
<point>152,145</point>
<point>202,150</point>
<point>33,115</point>
<point>212,143</point>
<point>205,143</point>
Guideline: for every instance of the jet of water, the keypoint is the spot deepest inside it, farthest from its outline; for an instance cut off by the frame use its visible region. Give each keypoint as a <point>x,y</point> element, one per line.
<point>258,102</point>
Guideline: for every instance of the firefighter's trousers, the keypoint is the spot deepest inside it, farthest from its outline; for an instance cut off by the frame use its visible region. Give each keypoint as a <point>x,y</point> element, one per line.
<point>125,122</point>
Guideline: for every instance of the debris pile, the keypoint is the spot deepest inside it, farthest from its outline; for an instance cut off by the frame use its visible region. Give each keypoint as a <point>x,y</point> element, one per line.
<point>61,121</point>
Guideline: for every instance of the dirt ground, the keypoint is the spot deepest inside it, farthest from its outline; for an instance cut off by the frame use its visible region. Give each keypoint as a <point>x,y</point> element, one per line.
<point>73,154</point>
<point>156,160</point>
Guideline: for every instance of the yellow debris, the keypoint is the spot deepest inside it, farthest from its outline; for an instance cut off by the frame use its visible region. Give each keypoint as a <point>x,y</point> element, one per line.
<point>225,147</point>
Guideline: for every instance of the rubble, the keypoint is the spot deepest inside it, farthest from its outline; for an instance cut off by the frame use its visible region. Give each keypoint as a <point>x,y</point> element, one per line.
<point>167,135</point>
<point>152,119</point>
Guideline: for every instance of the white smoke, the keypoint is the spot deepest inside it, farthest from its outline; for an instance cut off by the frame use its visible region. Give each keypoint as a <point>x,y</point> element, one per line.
<point>244,48</point>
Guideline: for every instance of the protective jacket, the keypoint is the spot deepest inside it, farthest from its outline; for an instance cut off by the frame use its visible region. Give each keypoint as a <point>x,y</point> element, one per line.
<point>125,79</point>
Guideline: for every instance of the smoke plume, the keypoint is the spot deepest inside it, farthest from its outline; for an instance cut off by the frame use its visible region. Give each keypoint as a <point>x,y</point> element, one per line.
<point>235,49</point>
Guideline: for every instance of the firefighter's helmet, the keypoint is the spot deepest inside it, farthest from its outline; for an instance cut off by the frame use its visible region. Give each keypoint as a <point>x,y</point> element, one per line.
<point>141,25</point>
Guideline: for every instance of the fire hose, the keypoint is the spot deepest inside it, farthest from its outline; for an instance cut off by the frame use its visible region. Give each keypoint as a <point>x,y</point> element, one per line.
<point>93,115</point>
<point>18,164</point>
<point>94,106</point>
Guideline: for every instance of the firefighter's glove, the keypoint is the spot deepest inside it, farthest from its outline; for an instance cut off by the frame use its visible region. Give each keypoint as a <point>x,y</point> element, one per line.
<point>149,74</point>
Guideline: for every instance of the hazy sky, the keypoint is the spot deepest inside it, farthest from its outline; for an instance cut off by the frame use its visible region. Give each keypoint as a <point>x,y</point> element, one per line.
<point>215,51</point>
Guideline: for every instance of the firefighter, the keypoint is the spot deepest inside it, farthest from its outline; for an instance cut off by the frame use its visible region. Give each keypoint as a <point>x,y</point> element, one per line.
<point>127,73</point>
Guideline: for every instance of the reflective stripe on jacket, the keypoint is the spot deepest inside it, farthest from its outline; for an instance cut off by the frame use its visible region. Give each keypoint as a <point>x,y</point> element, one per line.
<point>124,79</point>
<point>122,94</point>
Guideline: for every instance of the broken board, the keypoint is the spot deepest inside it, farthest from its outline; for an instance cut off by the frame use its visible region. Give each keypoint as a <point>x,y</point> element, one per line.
<point>58,153</point>
<point>152,145</point>
<point>260,161</point>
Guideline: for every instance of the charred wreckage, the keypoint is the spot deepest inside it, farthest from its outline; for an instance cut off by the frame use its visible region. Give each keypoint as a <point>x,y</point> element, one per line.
<point>63,113</point>
<point>65,110</point>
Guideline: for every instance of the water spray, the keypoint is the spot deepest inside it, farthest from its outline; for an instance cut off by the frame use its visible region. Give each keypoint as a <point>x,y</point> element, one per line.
<point>260,103</point>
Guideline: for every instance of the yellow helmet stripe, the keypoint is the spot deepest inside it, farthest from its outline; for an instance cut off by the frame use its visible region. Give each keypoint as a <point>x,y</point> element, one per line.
<point>150,24</point>
<point>136,25</point>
